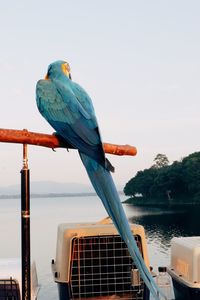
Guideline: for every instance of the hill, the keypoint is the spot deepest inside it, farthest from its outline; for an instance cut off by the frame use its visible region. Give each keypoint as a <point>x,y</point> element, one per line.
<point>48,187</point>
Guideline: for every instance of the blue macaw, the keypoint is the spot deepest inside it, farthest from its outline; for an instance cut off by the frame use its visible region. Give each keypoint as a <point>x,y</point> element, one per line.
<point>69,110</point>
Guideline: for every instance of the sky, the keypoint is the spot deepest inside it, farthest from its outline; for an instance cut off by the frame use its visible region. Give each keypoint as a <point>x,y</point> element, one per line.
<point>138,60</point>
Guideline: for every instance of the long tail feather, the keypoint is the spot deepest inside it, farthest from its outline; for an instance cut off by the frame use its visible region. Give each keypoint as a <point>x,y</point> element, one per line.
<point>106,190</point>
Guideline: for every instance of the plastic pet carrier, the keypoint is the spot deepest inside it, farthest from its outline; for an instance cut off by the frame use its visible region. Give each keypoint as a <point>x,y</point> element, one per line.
<point>92,262</point>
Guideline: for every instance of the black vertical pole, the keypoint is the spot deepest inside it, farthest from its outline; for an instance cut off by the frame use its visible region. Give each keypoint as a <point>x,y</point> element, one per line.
<point>25,228</point>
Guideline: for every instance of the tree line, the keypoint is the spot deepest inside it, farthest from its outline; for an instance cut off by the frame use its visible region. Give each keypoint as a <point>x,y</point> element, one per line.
<point>167,184</point>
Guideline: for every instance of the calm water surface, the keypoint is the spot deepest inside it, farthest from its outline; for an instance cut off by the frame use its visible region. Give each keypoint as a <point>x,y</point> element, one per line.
<point>161,225</point>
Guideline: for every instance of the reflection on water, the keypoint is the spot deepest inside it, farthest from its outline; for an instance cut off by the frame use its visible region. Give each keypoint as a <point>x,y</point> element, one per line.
<point>161,225</point>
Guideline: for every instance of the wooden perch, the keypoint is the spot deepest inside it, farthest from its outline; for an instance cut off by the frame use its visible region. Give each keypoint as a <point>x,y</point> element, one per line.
<point>55,141</point>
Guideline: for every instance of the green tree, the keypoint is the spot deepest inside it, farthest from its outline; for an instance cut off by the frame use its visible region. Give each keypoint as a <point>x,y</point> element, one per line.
<point>191,175</point>
<point>161,161</point>
<point>177,183</point>
<point>142,183</point>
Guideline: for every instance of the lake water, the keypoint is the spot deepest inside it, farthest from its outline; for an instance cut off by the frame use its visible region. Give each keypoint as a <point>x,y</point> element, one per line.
<point>161,225</point>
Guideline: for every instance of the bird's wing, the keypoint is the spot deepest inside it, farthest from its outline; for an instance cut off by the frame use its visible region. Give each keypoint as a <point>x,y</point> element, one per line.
<point>83,98</point>
<point>71,116</point>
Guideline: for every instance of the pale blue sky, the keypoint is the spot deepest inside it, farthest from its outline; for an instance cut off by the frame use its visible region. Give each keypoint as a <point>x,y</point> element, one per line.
<point>138,60</point>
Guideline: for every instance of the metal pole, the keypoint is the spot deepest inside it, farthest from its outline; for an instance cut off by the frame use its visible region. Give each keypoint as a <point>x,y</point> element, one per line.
<point>25,228</point>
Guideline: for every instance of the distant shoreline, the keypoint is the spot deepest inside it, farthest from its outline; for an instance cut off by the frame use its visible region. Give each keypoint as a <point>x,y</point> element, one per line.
<point>50,195</point>
<point>53,195</point>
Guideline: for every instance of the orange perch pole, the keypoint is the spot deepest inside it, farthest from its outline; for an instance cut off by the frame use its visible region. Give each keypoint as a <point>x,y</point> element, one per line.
<point>54,141</point>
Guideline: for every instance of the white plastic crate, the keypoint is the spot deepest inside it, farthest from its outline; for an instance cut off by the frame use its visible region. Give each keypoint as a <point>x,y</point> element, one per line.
<point>92,261</point>
<point>185,259</point>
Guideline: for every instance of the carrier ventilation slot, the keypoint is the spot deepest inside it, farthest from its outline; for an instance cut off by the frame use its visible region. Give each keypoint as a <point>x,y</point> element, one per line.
<point>102,266</point>
<point>9,289</point>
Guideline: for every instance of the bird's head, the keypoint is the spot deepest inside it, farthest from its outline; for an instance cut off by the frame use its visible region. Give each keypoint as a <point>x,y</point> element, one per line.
<point>58,68</point>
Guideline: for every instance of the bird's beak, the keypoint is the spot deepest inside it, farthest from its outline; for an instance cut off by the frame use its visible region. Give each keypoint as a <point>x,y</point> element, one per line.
<point>46,77</point>
<point>70,76</point>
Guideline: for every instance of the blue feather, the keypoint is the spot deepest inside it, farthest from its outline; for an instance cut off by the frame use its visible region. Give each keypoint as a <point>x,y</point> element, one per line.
<point>106,190</point>
<point>69,110</point>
